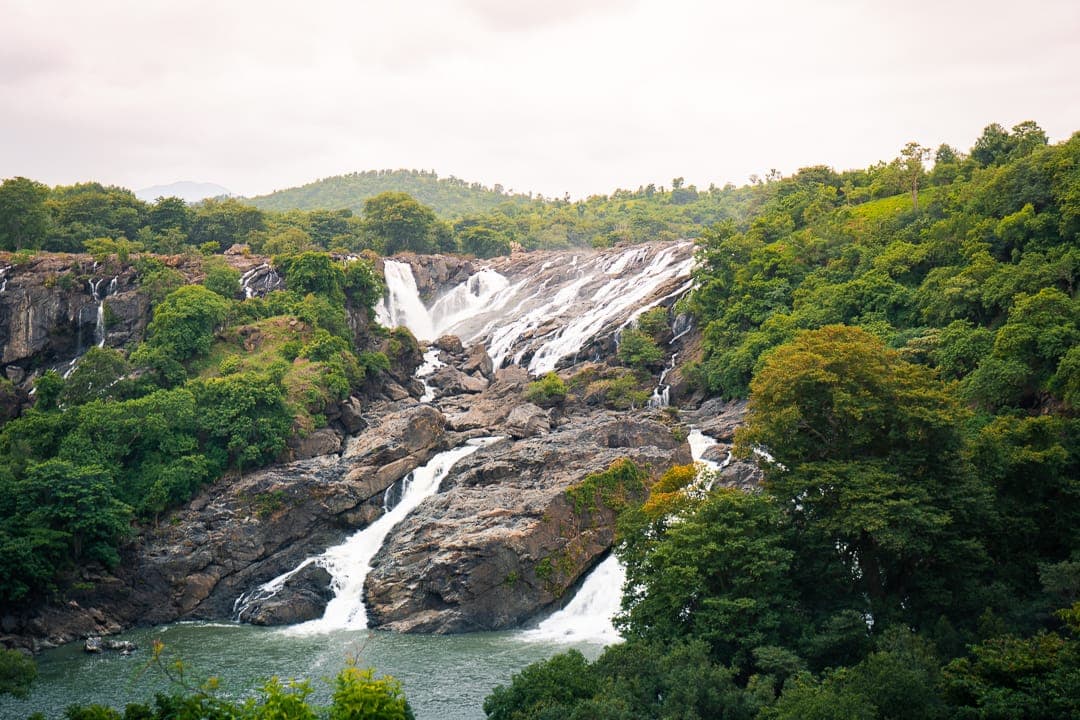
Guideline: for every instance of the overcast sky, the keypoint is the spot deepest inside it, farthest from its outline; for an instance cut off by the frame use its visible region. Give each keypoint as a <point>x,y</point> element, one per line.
<point>554,96</point>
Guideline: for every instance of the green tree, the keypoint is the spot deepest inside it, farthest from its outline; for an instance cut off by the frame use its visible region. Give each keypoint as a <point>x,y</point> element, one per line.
<point>719,574</point>
<point>638,350</point>
<point>868,458</point>
<point>24,219</point>
<point>185,321</point>
<point>221,277</point>
<point>400,223</point>
<point>17,673</point>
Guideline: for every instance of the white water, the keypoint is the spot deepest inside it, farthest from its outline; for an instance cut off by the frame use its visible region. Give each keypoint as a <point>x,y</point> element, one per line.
<point>430,365</point>
<point>588,616</point>
<point>551,314</point>
<point>661,395</point>
<point>3,278</point>
<point>249,280</point>
<point>350,562</point>
<point>402,304</point>
<point>99,297</point>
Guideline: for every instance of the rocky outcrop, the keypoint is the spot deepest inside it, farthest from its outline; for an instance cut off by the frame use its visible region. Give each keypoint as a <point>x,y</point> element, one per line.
<point>241,532</point>
<point>719,419</point>
<point>503,540</point>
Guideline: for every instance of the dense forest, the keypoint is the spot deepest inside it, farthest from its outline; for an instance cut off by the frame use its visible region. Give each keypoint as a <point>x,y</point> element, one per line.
<point>908,340</point>
<point>913,369</point>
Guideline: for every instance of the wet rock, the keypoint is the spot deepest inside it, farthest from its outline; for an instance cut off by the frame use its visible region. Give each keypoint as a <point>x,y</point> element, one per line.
<point>303,597</point>
<point>93,645</point>
<point>478,361</point>
<point>718,418</point>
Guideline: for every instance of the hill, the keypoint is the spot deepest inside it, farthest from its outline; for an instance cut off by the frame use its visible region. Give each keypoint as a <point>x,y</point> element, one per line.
<point>450,197</point>
<point>186,190</point>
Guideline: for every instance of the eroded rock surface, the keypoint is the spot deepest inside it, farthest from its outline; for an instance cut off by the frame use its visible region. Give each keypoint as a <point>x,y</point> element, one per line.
<point>503,540</point>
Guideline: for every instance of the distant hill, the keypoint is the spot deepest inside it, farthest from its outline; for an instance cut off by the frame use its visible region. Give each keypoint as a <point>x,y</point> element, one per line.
<point>186,190</point>
<point>450,196</point>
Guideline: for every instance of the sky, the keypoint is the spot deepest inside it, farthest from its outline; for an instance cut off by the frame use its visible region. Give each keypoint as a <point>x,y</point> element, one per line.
<point>551,96</point>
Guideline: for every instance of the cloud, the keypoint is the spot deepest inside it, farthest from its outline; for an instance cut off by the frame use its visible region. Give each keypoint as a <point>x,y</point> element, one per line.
<point>545,96</point>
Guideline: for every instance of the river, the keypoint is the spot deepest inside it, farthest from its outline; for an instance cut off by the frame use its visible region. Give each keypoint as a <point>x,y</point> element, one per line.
<point>445,677</point>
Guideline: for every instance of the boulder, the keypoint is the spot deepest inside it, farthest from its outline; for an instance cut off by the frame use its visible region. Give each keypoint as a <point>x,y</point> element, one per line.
<point>324,441</point>
<point>451,344</point>
<point>352,417</point>
<point>527,420</point>
<point>303,597</point>
<point>478,362</point>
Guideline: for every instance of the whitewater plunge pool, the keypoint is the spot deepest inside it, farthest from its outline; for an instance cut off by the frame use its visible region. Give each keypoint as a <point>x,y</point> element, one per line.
<point>445,677</point>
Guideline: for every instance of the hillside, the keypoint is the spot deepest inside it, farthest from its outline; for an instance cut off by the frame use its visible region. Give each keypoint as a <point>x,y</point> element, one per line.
<point>450,197</point>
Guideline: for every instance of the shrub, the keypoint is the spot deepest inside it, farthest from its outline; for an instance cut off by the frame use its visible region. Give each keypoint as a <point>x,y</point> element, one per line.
<point>548,391</point>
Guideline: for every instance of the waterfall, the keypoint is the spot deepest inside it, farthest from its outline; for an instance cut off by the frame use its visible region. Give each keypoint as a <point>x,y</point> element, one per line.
<point>259,280</point>
<point>99,297</point>
<point>430,365</point>
<point>587,617</point>
<point>3,278</point>
<point>350,562</point>
<point>661,394</point>
<point>541,311</point>
<point>402,304</point>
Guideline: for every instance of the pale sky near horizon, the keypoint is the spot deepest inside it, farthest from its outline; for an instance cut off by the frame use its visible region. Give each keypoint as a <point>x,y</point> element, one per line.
<point>552,96</point>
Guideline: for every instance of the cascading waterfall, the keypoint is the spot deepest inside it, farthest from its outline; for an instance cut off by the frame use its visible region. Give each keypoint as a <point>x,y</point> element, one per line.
<point>587,617</point>
<point>430,365</point>
<point>544,313</point>
<point>3,278</point>
<point>402,304</point>
<point>99,297</point>
<point>259,280</point>
<point>661,395</point>
<point>350,562</point>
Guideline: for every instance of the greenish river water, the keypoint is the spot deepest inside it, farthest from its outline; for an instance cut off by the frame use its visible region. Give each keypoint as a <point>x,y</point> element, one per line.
<point>445,677</point>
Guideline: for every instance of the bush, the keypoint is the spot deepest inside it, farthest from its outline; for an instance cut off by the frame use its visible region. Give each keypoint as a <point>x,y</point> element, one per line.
<point>548,391</point>
<point>638,350</point>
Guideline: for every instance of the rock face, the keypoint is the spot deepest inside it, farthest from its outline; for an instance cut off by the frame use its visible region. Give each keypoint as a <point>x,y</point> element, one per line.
<point>240,533</point>
<point>503,540</point>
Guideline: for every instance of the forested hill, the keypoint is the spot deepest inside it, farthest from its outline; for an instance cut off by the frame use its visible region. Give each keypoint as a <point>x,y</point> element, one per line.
<point>450,197</point>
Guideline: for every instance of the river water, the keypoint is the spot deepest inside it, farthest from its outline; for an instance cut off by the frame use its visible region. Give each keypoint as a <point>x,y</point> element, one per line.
<point>445,677</point>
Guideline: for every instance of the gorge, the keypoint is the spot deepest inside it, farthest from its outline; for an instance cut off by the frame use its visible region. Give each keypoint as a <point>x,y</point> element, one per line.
<point>455,488</point>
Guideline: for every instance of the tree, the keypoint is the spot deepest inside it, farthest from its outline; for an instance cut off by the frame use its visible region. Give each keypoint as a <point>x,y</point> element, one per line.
<point>17,672</point>
<point>719,574</point>
<point>24,219</point>
<point>400,223</point>
<point>185,321</point>
<point>868,459</point>
<point>221,277</point>
<point>913,156</point>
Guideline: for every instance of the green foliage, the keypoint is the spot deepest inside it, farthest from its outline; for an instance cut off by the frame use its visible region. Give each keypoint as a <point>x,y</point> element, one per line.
<point>622,483</point>
<point>720,575</point>
<point>313,272</point>
<point>97,375</point>
<point>638,350</point>
<point>221,277</point>
<point>17,673</point>
<point>24,220</point>
<point>185,321</point>
<point>359,695</point>
<point>399,223</point>
<point>548,391</point>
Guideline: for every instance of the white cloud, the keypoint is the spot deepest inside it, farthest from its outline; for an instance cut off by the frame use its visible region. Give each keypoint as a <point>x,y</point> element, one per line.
<point>547,96</point>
